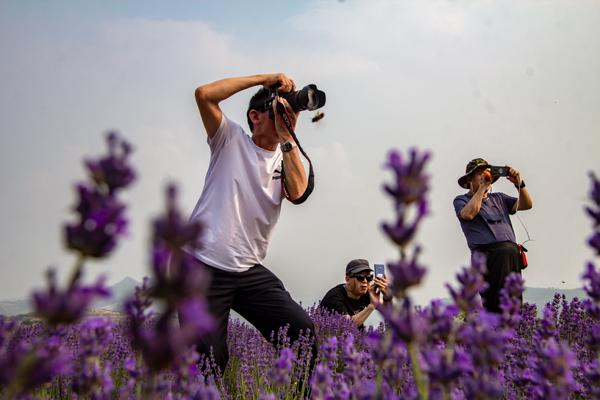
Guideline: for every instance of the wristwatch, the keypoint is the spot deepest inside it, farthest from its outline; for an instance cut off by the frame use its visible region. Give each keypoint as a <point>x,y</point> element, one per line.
<point>287,146</point>
<point>521,186</point>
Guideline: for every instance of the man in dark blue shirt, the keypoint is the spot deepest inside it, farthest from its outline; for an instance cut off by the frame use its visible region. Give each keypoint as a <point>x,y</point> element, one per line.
<point>484,219</point>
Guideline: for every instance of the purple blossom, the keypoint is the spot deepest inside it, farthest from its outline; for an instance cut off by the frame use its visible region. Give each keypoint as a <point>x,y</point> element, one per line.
<point>177,275</point>
<point>441,320</point>
<point>406,273</point>
<point>553,370</point>
<point>411,182</point>
<point>113,171</point>
<point>466,297</point>
<point>58,306</point>
<point>510,299</point>
<point>28,365</point>
<point>101,222</point>
<point>592,282</point>
<point>281,372</point>
<point>406,324</point>
<point>402,232</point>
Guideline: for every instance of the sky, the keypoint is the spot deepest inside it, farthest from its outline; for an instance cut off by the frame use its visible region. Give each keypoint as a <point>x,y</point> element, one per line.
<point>516,82</point>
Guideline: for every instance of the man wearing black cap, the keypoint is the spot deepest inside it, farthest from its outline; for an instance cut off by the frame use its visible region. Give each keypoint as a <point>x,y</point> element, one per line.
<point>357,298</point>
<point>484,219</point>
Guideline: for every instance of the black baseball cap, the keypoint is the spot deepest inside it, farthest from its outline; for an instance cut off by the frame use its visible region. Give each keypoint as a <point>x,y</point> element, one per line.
<point>357,265</point>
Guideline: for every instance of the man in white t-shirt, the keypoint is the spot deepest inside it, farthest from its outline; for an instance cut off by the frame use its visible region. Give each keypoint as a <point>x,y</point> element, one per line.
<point>239,207</point>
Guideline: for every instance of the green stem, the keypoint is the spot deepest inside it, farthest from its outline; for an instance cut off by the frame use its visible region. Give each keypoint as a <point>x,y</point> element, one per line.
<point>413,351</point>
<point>77,271</point>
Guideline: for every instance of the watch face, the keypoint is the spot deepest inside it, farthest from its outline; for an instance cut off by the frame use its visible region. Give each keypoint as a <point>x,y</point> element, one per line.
<point>287,146</point>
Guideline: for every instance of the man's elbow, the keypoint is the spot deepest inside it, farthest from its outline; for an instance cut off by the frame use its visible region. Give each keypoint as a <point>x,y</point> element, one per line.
<point>201,95</point>
<point>466,216</point>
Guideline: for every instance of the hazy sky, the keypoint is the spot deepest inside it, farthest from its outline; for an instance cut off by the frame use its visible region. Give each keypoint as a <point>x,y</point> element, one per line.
<point>516,82</point>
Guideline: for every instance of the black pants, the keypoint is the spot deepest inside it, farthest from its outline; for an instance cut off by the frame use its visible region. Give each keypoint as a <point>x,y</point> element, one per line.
<point>258,296</point>
<point>502,259</point>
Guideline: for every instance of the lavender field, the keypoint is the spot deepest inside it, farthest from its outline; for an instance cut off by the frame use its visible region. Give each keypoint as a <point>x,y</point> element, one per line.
<point>442,351</point>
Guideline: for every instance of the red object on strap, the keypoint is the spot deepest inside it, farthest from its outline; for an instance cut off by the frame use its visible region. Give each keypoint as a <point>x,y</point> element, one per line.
<point>522,252</point>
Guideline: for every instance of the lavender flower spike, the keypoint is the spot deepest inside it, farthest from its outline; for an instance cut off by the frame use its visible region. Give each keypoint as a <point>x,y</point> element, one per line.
<point>113,171</point>
<point>411,182</point>
<point>66,307</point>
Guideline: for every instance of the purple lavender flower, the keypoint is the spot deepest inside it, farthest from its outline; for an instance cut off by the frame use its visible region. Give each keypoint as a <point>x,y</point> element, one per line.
<point>406,274</point>
<point>113,171</point>
<point>510,299</point>
<point>101,223</point>
<point>26,366</point>
<point>411,182</point>
<point>177,275</point>
<point>402,232</point>
<point>56,306</point>
<point>281,372</point>
<point>440,319</point>
<point>471,284</point>
<point>553,370</point>
<point>406,324</point>
<point>592,286</point>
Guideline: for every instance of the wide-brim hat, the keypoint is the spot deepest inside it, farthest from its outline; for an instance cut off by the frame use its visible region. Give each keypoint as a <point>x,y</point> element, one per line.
<point>356,266</point>
<point>472,166</point>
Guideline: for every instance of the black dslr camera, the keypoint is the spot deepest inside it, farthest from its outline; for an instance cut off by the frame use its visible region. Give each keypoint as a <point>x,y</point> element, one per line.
<point>498,171</point>
<point>307,98</point>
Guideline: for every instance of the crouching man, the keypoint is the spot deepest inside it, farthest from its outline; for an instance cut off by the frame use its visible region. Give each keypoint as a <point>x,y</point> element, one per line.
<point>360,295</point>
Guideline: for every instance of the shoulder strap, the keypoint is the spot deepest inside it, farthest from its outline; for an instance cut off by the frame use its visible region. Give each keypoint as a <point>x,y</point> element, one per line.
<point>311,175</point>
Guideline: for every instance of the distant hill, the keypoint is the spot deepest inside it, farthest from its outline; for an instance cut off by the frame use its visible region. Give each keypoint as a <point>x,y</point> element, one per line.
<point>120,291</point>
<point>541,296</point>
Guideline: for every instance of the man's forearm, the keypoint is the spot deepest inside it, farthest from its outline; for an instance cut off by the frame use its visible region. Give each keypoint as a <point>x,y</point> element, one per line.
<point>525,200</point>
<point>362,316</point>
<point>295,175</point>
<point>222,89</point>
<point>471,209</point>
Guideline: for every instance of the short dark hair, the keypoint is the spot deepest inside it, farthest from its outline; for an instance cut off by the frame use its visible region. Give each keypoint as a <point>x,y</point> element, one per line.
<point>259,97</point>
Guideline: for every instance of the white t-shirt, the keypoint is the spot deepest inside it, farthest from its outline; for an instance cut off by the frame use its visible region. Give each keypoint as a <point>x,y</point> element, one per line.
<point>241,200</point>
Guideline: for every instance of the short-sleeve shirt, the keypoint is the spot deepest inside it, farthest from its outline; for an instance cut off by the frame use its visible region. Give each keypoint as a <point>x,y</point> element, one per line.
<point>337,300</point>
<point>240,202</point>
<point>492,223</point>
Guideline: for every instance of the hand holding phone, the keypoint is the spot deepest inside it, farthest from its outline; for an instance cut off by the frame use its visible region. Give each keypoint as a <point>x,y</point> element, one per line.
<point>379,270</point>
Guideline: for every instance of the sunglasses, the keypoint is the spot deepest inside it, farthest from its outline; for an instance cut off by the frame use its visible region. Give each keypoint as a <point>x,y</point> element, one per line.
<point>363,278</point>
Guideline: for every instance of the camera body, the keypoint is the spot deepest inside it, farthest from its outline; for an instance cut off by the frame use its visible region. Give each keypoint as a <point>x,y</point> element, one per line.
<point>498,171</point>
<point>307,98</point>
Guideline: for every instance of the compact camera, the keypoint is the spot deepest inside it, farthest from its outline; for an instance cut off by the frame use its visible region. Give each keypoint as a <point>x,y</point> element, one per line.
<point>498,171</point>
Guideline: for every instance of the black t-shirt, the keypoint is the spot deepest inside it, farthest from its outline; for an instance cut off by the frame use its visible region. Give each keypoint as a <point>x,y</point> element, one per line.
<point>337,300</point>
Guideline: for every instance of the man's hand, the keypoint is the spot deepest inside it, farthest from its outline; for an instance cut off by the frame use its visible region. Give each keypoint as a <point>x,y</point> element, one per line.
<point>382,287</point>
<point>484,185</point>
<point>286,84</point>
<point>282,132</point>
<point>375,296</point>
<point>514,176</point>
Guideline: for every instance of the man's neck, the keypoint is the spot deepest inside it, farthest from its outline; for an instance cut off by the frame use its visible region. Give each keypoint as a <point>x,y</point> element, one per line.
<point>265,142</point>
<point>350,294</point>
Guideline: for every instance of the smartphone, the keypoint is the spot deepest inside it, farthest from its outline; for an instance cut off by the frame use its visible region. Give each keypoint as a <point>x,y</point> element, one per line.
<point>378,270</point>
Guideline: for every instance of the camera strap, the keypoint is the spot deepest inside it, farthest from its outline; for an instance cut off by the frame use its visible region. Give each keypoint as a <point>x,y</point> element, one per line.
<point>311,175</point>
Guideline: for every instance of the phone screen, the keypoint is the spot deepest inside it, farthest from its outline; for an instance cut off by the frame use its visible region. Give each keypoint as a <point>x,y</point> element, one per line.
<point>379,270</point>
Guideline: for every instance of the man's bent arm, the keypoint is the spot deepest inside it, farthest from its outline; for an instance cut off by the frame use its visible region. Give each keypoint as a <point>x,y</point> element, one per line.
<point>293,168</point>
<point>210,95</point>
<point>360,317</point>
<point>471,209</point>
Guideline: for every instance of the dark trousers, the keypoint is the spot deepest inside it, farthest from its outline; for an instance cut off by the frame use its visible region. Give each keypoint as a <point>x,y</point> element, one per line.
<point>502,259</point>
<point>258,296</point>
